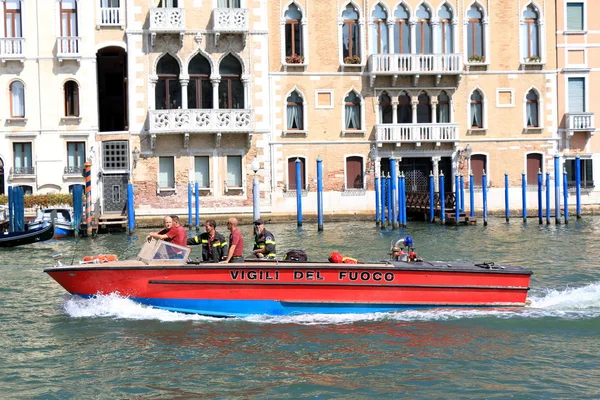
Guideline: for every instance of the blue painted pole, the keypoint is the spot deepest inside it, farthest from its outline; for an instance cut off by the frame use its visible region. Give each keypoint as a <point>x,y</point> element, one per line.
<point>389,199</point>
<point>399,200</point>
<point>506,202</point>
<point>299,191</point>
<point>130,209</point>
<point>484,190</point>
<point>393,192</point>
<point>556,189</point>
<point>377,200</point>
<point>431,197</point>
<point>319,194</point>
<point>462,192</point>
<point>11,209</point>
<point>442,199</point>
<point>255,198</point>
<point>382,193</point>
<point>472,195</point>
<point>524,195</point>
<point>547,198</point>
<point>539,182</point>
<point>20,209</point>
<point>190,204</point>
<point>578,185</point>
<point>197,204</point>
<point>403,200</point>
<point>77,208</point>
<point>456,201</point>
<point>566,196</point>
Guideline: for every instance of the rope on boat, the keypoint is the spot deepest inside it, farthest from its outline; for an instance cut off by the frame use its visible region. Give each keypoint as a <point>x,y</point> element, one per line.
<point>489,265</point>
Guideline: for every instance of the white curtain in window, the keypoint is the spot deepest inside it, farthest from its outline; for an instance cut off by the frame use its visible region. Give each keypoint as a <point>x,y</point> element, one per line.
<point>292,114</point>
<point>475,117</point>
<point>444,113</point>
<point>234,171</point>
<point>166,172</point>
<point>18,99</point>
<point>532,114</point>
<point>201,171</point>
<point>352,117</point>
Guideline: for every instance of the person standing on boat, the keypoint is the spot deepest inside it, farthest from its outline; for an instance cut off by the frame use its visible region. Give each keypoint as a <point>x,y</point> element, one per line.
<point>214,245</point>
<point>170,233</point>
<point>236,243</point>
<point>264,241</point>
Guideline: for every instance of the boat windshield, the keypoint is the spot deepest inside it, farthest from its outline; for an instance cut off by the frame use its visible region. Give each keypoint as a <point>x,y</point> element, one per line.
<point>163,251</point>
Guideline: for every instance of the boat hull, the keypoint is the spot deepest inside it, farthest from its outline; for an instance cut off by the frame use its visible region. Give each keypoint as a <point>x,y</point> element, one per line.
<point>27,237</point>
<point>286,288</point>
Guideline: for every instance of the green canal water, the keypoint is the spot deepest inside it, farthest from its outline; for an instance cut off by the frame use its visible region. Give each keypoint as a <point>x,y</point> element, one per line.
<point>55,346</point>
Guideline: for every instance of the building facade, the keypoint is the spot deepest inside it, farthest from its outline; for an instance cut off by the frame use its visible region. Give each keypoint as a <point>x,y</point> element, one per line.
<point>168,93</point>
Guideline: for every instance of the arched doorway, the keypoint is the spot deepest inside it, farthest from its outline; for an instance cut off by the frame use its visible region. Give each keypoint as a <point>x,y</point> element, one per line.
<point>112,89</point>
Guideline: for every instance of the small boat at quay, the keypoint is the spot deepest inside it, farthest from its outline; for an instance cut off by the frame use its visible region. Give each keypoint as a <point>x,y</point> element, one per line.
<point>63,224</point>
<point>162,276</point>
<point>40,234</point>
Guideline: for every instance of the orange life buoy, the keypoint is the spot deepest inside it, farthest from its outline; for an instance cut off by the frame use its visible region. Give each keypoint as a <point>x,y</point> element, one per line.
<point>337,258</point>
<point>100,258</point>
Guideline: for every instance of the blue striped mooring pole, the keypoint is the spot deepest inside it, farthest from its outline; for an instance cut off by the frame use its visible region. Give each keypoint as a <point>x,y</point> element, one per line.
<point>506,203</point>
<point>190,194</point>
<point>540,207</point>
<point>566,196</point>
<point>382,202</point>
<point>462,192</point>
<point>524,195</point>
<point>403,200</point>
<point>393,192</point>
<point>484,190</point>
<point>442,200</point>
<point>557,189</point>
<point>578,185</point>
<point>299,191</point>
<point>547,198</point>
<point>130,209</point>
<point>389,199</point>
<point>319,194</point>
<point>456,200</point>
<point>197,204</point>
<point>471,195</point>
<point>376,200</point>
<point>431,197</point>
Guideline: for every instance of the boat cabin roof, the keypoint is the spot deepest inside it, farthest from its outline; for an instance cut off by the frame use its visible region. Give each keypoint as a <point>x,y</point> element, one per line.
<point>155,250</point>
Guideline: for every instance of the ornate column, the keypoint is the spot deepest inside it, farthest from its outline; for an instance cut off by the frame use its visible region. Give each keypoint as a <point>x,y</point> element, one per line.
<point>434,104</point>
<point>391,38</point>
<point>486,37</point>
<point>395,111</point>
<point>414,104</point>
<point>184,81</point>
<point>152,98</point>
<point>215,80</point>
<point>436,37</point>
<point>412,22</point>
<point>246,82</point>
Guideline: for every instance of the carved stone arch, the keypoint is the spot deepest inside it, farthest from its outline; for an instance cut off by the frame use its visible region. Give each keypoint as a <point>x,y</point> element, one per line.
<point>385,7</point>
<point>477,4</point>
<point>237,56</point>
<point>213,68</point>
<point>11,81</point>
<point>535,89</point>
<point>353,89</point>
<point>300,93</point>
<point>427,6</point>
<point>354,4</point>
<point>405,5</point>
<point>450,6</point>
<point>294,2</point>
<point>477,89</point>
<point>175,56</point>
<point>62,85</point>
<point>533,3</point>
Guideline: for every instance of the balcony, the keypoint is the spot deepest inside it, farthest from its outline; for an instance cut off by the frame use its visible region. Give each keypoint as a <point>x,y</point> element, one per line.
<point>230,20</point>
<point>22,172</point>
<point>111,16</point>
<point>68,48</point>
<point>12,49</point>
<point>166,21</point>
<point>208,121</point>
<point>415,65</point>
<point>416,134</point>
<point>580,122</point>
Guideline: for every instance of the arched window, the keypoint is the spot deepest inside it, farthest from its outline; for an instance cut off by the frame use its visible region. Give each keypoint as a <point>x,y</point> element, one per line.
<point>532,109</point>
<point>168,88</point>
<point>530,34</point>
<point>200,90</point>
<point>443,108</point>
<point>475,50</point>
<point>352,108</point>
<point>404,109</point>
<point>71,99</point>
<point>354,172</point>
<point>445,16</point>
<point>17,100</point>
<point>401,31</point>
<point>295,112</point>
<point>424,109</point>
<point>293,35</point>
<point>424,31</point>
<point>231,89</point>
<point>476,109</point>
<point>386,111</point>
<point>380,30</point>
<point>292,173</point>
<point>350,34</point>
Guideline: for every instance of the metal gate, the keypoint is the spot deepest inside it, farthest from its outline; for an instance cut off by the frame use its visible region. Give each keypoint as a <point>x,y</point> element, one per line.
<point>416,181</point>
<point>114,194</point>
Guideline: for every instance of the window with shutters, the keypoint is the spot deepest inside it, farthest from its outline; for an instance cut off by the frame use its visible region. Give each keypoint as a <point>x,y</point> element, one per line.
<point>354,173</point>
<point>576,88</point>
<point>575,16</point>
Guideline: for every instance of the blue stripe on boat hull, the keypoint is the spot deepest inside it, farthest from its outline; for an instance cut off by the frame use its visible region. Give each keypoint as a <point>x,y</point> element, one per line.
<point>244,308</point>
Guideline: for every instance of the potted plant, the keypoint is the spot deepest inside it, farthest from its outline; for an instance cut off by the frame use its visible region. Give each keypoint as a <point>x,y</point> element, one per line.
<point>476,59</point>
<point>352,60</point>
<point>533,59</point>
<point>294,59</point>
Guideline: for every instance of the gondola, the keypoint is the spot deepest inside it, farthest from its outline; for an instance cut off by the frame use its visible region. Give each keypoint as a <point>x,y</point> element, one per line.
<point>12,239</point>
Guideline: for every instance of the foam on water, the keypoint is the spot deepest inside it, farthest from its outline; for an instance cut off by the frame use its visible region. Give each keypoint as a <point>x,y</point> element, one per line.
<point>570,303</point>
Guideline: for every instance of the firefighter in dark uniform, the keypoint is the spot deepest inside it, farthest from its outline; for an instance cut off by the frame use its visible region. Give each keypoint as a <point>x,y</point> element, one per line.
<point>214,245</point>
<point>264,241</point>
